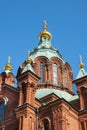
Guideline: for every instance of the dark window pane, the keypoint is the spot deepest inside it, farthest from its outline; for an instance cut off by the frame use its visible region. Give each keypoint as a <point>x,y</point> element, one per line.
<point>2,111</point>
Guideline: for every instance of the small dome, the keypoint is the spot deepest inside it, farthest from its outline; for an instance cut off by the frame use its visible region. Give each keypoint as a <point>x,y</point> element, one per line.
<point>8,66</point>
<point>45,33</point>
<point>81,65</point>
<point>28,60</point>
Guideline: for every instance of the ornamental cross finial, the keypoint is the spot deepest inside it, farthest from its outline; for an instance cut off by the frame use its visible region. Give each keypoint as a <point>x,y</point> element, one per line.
<point>80,58</point>
<point>81,63</point>
<point>45,25</point>
<point>9,59</point>
<point>28,53</point>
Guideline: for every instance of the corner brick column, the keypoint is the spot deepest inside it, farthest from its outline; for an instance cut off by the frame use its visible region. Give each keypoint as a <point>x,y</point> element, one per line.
<point>85,125</point>
<point>80,126</point>
<point>28,94</point>
<point>20,96</point>
<point>81,101</point>
<point>63,125</point>
<point>55,126</point>
<point>20,123</point>
<point>48,72</point>
<point>25,123</point>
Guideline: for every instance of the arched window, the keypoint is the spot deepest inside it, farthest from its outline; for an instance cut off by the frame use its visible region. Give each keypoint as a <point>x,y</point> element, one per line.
<point>41,72</point>
<point>2,109</point>
<point>55,74</point>
<point>45,124</point>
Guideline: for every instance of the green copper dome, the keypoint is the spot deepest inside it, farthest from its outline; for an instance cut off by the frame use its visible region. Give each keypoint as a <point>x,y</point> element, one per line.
<point>47,51</point>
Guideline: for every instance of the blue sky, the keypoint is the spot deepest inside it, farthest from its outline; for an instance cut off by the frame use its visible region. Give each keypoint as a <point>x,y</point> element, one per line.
<point>21,21</point>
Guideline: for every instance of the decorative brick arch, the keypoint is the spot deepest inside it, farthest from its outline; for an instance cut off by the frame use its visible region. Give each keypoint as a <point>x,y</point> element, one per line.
<point>45,124</point>
<point>56,60</point>
<point>4,99</point>
<point>41,58</point>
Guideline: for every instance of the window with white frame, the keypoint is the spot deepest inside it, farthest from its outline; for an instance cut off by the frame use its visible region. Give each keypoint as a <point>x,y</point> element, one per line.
<point>55,74</point>
<point>41,72</point>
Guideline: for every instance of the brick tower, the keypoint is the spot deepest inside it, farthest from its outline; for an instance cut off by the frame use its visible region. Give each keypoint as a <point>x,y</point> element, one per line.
<point>27,84</point>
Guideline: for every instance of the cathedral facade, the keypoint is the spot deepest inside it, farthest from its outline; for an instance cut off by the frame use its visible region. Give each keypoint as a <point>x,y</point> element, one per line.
<point>44,98</point>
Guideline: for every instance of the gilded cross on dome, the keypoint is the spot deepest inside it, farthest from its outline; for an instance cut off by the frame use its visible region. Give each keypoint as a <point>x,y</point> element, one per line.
<point>28,60</point>
<point>45,33</point>
<point>81,63</point>
<point>28,53</point>
<point>9,59</point>
<point>45,25</point>
<point>8,66</point>
<point>80,58</point>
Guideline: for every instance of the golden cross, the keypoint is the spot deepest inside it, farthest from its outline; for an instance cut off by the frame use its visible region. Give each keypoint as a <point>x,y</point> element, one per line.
<point>9,59</point>
<point>45,25</point>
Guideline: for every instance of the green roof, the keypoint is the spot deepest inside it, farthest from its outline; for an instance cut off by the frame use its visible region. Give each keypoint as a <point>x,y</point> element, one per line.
<point>45,49</point>
<point>28,67</point>
<point>73,98</point>
<point>46,91</point>
<point>81,73</point>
